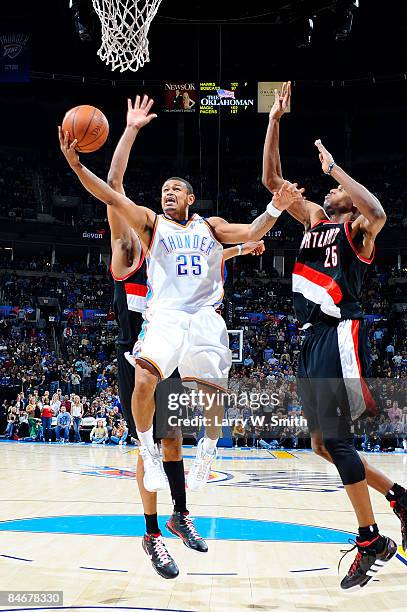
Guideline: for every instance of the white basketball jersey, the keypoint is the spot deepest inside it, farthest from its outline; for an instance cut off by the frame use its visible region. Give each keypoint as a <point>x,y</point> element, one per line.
<point>184,266</point>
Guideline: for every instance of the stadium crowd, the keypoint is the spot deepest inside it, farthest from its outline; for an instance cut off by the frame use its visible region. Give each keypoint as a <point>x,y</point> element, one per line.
<point>58,381</point>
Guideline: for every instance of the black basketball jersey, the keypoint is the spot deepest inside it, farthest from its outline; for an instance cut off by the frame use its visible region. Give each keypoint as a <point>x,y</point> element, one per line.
<point>328,274</point>
<point>129,303</point>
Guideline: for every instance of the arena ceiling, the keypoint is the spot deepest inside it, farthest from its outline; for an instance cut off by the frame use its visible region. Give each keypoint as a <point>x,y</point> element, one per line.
<point>259,41</point>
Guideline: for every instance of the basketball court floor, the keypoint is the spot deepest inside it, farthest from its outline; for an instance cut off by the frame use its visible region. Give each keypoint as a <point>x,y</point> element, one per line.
<point>71,521</point>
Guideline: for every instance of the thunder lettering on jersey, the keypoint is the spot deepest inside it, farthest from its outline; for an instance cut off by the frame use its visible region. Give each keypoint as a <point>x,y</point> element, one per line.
<point>184,266</point>
<point>328,274</point>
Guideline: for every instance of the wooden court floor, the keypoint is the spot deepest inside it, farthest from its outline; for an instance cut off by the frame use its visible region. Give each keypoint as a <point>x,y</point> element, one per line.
<point>71,520</point>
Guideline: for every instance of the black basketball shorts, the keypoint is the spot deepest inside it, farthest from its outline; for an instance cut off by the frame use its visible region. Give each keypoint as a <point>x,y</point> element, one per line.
<point>332,367</point>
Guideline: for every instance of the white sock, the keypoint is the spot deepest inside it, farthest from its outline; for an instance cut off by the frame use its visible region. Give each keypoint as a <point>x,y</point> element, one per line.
<point>146,437</point>
<point>209,445</point>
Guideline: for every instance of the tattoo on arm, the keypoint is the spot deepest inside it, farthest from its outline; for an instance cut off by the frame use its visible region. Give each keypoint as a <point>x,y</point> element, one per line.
<point>261,225</point>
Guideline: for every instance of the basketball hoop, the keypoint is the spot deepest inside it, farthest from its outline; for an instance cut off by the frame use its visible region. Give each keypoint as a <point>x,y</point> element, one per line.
<point>125,26</point>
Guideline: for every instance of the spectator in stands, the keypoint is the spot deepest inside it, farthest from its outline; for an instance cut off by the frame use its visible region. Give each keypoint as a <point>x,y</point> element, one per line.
<point>63,425</point>
<point>395,413</point>
<point>397,432</point>
<point>239,433</point>
<point>23,430</point>
<point>55,403</point>
<point>3,416</point>
<point>32,420</point>
<point>119,433</point>
<point>77,414</point>
<point>76,382</point>
<point>11,424</point>
<point>99,433</point>
<point>46,418</point>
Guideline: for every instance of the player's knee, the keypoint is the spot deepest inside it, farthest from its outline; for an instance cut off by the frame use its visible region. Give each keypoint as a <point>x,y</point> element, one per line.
<point>172,449</point>
<point>145,384</point>
<point>318,447</point>
<point>347,461</point>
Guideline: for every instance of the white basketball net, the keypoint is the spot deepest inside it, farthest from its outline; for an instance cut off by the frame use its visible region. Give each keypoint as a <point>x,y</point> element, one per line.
<point>125,26</point>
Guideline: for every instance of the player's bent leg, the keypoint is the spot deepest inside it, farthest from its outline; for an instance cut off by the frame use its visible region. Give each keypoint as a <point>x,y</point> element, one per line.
<point>153,543</point>
<point>374,550</point>
<point>394,493</point>
<point>143,411</point>
<point>180,523</point>
<point>207,362</point>
<point>206,451</point>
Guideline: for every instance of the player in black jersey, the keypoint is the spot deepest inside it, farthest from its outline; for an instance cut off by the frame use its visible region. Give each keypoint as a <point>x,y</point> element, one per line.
<point>128,269</point>
<point>337,247</point>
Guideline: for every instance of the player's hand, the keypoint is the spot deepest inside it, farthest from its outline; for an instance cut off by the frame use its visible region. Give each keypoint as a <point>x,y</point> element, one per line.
<point>67,149</point>
<point>287,195</point>
<point>255,247</point>
<point>281,101</point>
<point>324,156</point>
<point>138,114</point>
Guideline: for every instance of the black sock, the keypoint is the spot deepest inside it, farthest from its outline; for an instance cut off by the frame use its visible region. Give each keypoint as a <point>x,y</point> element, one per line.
<point>395,492</point>
<point>367,534</point>
<point>176,478</point>
<point>152,524</point>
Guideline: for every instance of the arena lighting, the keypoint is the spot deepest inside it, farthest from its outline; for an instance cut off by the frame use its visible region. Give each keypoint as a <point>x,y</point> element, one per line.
<point>345,21</point>
<point>305,33</point>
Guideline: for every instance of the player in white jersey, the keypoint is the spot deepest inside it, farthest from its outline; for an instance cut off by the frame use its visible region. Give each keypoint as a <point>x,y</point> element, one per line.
<point>182,326</point>
<point>130,289</point>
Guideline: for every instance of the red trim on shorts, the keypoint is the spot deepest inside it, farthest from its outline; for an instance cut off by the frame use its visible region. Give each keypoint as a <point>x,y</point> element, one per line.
<point>367,396</point>
<point>320,279</point>
<point>135,289</point>
<point>358,255</point>
<point>152,363</point>
<point>205,382</point>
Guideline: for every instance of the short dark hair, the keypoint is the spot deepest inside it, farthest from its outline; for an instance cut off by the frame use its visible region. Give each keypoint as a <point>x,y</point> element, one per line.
<point>187,184</point>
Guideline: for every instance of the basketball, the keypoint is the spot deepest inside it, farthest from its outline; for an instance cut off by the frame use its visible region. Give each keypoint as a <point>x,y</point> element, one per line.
<point>88,125</point>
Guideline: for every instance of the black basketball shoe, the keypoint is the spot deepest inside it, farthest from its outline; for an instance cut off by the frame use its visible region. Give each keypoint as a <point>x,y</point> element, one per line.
<point>161,559</point>
<point>182,526</point>
<point>400,510</point>
<point>370,558</point>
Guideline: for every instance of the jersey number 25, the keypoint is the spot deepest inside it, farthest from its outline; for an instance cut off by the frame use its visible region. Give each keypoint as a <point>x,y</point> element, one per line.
<point>189,264</point>
<point>331,260</point>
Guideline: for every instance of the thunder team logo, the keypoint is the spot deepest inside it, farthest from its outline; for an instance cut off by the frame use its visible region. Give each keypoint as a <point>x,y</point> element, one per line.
<point>107,471</point>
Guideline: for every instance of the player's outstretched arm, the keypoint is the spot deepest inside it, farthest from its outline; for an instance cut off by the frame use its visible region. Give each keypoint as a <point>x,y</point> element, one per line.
<point>138,217</point>
<point>373,216</point>
<point>123,248</point>
<point>232,233</point>
<point>272,174</point>
<point>255,247</point>
<point>304,211</point>
<point>138,116</point>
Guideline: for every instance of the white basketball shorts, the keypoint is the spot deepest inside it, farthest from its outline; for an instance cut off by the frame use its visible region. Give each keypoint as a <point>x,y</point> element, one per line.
<point>195,343</point>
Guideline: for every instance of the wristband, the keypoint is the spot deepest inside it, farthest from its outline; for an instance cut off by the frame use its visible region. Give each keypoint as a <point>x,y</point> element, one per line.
<point>240,247</point>
<point>272,210</point>
<point>331,167</point>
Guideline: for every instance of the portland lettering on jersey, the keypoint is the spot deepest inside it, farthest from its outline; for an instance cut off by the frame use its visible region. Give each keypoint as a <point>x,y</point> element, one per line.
<point>319,239</point>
